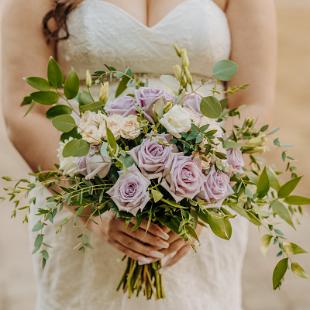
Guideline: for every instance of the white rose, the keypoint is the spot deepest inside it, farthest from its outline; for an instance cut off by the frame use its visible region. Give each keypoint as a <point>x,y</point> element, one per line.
<point>92,127</point>
<point>115,123</point>
<point>130,127</point>
<point>69,165</point>
<point>176,121</point>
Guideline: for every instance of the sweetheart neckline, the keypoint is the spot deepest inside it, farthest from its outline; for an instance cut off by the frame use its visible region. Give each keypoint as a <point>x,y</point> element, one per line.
<point>160,22</point>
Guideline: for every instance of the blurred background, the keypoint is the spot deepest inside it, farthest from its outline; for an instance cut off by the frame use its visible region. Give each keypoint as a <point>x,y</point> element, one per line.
<point>291,113</point>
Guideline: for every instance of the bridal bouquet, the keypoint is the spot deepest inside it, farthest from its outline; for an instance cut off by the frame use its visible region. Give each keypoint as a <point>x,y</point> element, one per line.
<point>148,154</point>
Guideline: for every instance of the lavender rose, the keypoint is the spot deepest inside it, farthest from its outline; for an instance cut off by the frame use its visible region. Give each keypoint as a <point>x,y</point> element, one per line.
<point>130,192</point>
<point>192,101</point>
<point>235,159</point>
<point>153,156</point>
<point>184,178</point>
<point>147,96</point>
<point>216,187</point>
<point>124,106</point>
<point>94,165</point>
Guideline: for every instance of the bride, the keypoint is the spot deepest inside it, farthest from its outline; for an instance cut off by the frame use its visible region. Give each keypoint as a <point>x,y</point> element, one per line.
<point>86,34</point>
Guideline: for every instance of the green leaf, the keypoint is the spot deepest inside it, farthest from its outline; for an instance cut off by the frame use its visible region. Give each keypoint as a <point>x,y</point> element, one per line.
<point>281,210</point>
<point>94,107</point>
<point>111,140</point>
<point>210,107</point>
<point>37,243</point>
<point>122,85</point>
<point>54,74</point>
<point>288,187</point>
<point>38,226</point>
<point>297,200</point>
<point>279,272</point>
<point>263,184</point>
<point>64,122</point>
<point>73,133</point>
<point>219,225</point>
<point>45,97</point>
<point>76,148</point>
<point>298,270</point>
<point>157,195</point>
<point>84,98</point>
<point>224,70</point>
<point>265,242</point>
<point>26,100</point>
<point>273,180</point>
<point>104,149</point>
<point>72,85</point>
<point>58,110</point>
<point>38,83</point>
<point>293,248</point>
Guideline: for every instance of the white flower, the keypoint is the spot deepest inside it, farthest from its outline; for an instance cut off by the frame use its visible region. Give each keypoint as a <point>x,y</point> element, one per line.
<point>115,123</point>
<point>69,165</point>
<point>92,127</point>
<point>176,121</point>
<point>130,127</point>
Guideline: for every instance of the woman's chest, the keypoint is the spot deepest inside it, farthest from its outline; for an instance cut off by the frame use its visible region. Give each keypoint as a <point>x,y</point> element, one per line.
<point>102,32</point>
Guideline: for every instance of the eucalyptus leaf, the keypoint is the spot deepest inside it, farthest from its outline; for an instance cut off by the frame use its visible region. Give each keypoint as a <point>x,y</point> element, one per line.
<point>282,211</point>
<point>288,187</point>
<point>84,98</point>
<point>58,110</point>
<point>64,122</point>
<point>298,270</point>
<point>210,107</point>
<point>38,83</point>
<point>76,148</point>
<point>263,184</point>
<point>72,85</point>
<point>37,243</point>
<point>54,74</point>
<point>265,242</point>
<point>293,248</point>
<point>45,97</point>
<point>224,70</point>
<point>297,200</point>
<point>279,272</point>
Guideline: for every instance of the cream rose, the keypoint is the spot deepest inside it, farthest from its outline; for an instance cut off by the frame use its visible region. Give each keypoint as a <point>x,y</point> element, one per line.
<point>176,121</point>
<point>92,127</point>
<point>130,128</point>
<point>115,123</point>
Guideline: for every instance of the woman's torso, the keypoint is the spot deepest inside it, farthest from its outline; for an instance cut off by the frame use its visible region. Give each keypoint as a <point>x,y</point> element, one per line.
<point>102,33</point>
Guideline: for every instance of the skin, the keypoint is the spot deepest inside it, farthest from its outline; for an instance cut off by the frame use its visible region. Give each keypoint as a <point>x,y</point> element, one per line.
<point>25,53</point>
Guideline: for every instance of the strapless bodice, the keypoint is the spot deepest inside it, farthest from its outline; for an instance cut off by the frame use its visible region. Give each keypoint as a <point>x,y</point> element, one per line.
<point>103,33</point>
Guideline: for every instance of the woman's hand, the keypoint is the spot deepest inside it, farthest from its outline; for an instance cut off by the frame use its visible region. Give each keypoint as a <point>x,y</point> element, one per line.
<point>143,244</point>
<point>178,248</point>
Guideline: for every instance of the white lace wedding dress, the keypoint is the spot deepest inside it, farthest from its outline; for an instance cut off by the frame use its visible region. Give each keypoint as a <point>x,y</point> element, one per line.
<point>101,33</point>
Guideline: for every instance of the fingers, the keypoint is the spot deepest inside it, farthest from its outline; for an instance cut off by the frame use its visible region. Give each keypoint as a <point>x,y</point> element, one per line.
<point>154,229</point>
<point>147,238</point>
<point>136,256</point>
<point>179,254</point>
<point>175,246</point>
<point>138,246</point>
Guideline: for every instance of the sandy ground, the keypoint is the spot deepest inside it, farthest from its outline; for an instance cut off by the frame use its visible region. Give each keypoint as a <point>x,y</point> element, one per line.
<point>292,114</point>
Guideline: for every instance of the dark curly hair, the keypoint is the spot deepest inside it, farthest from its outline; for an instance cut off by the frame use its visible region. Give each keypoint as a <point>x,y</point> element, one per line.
<point>55,20</point>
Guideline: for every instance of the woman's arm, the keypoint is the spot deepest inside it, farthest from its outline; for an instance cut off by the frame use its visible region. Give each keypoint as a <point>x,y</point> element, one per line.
<point>25,53</point>
<point>254,41</point>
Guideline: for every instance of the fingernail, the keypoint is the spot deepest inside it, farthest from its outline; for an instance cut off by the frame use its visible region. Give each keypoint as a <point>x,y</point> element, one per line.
<point>144,261</point>
<point>163,244</point>
<point>164,236</point>
<point>157,254</point>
